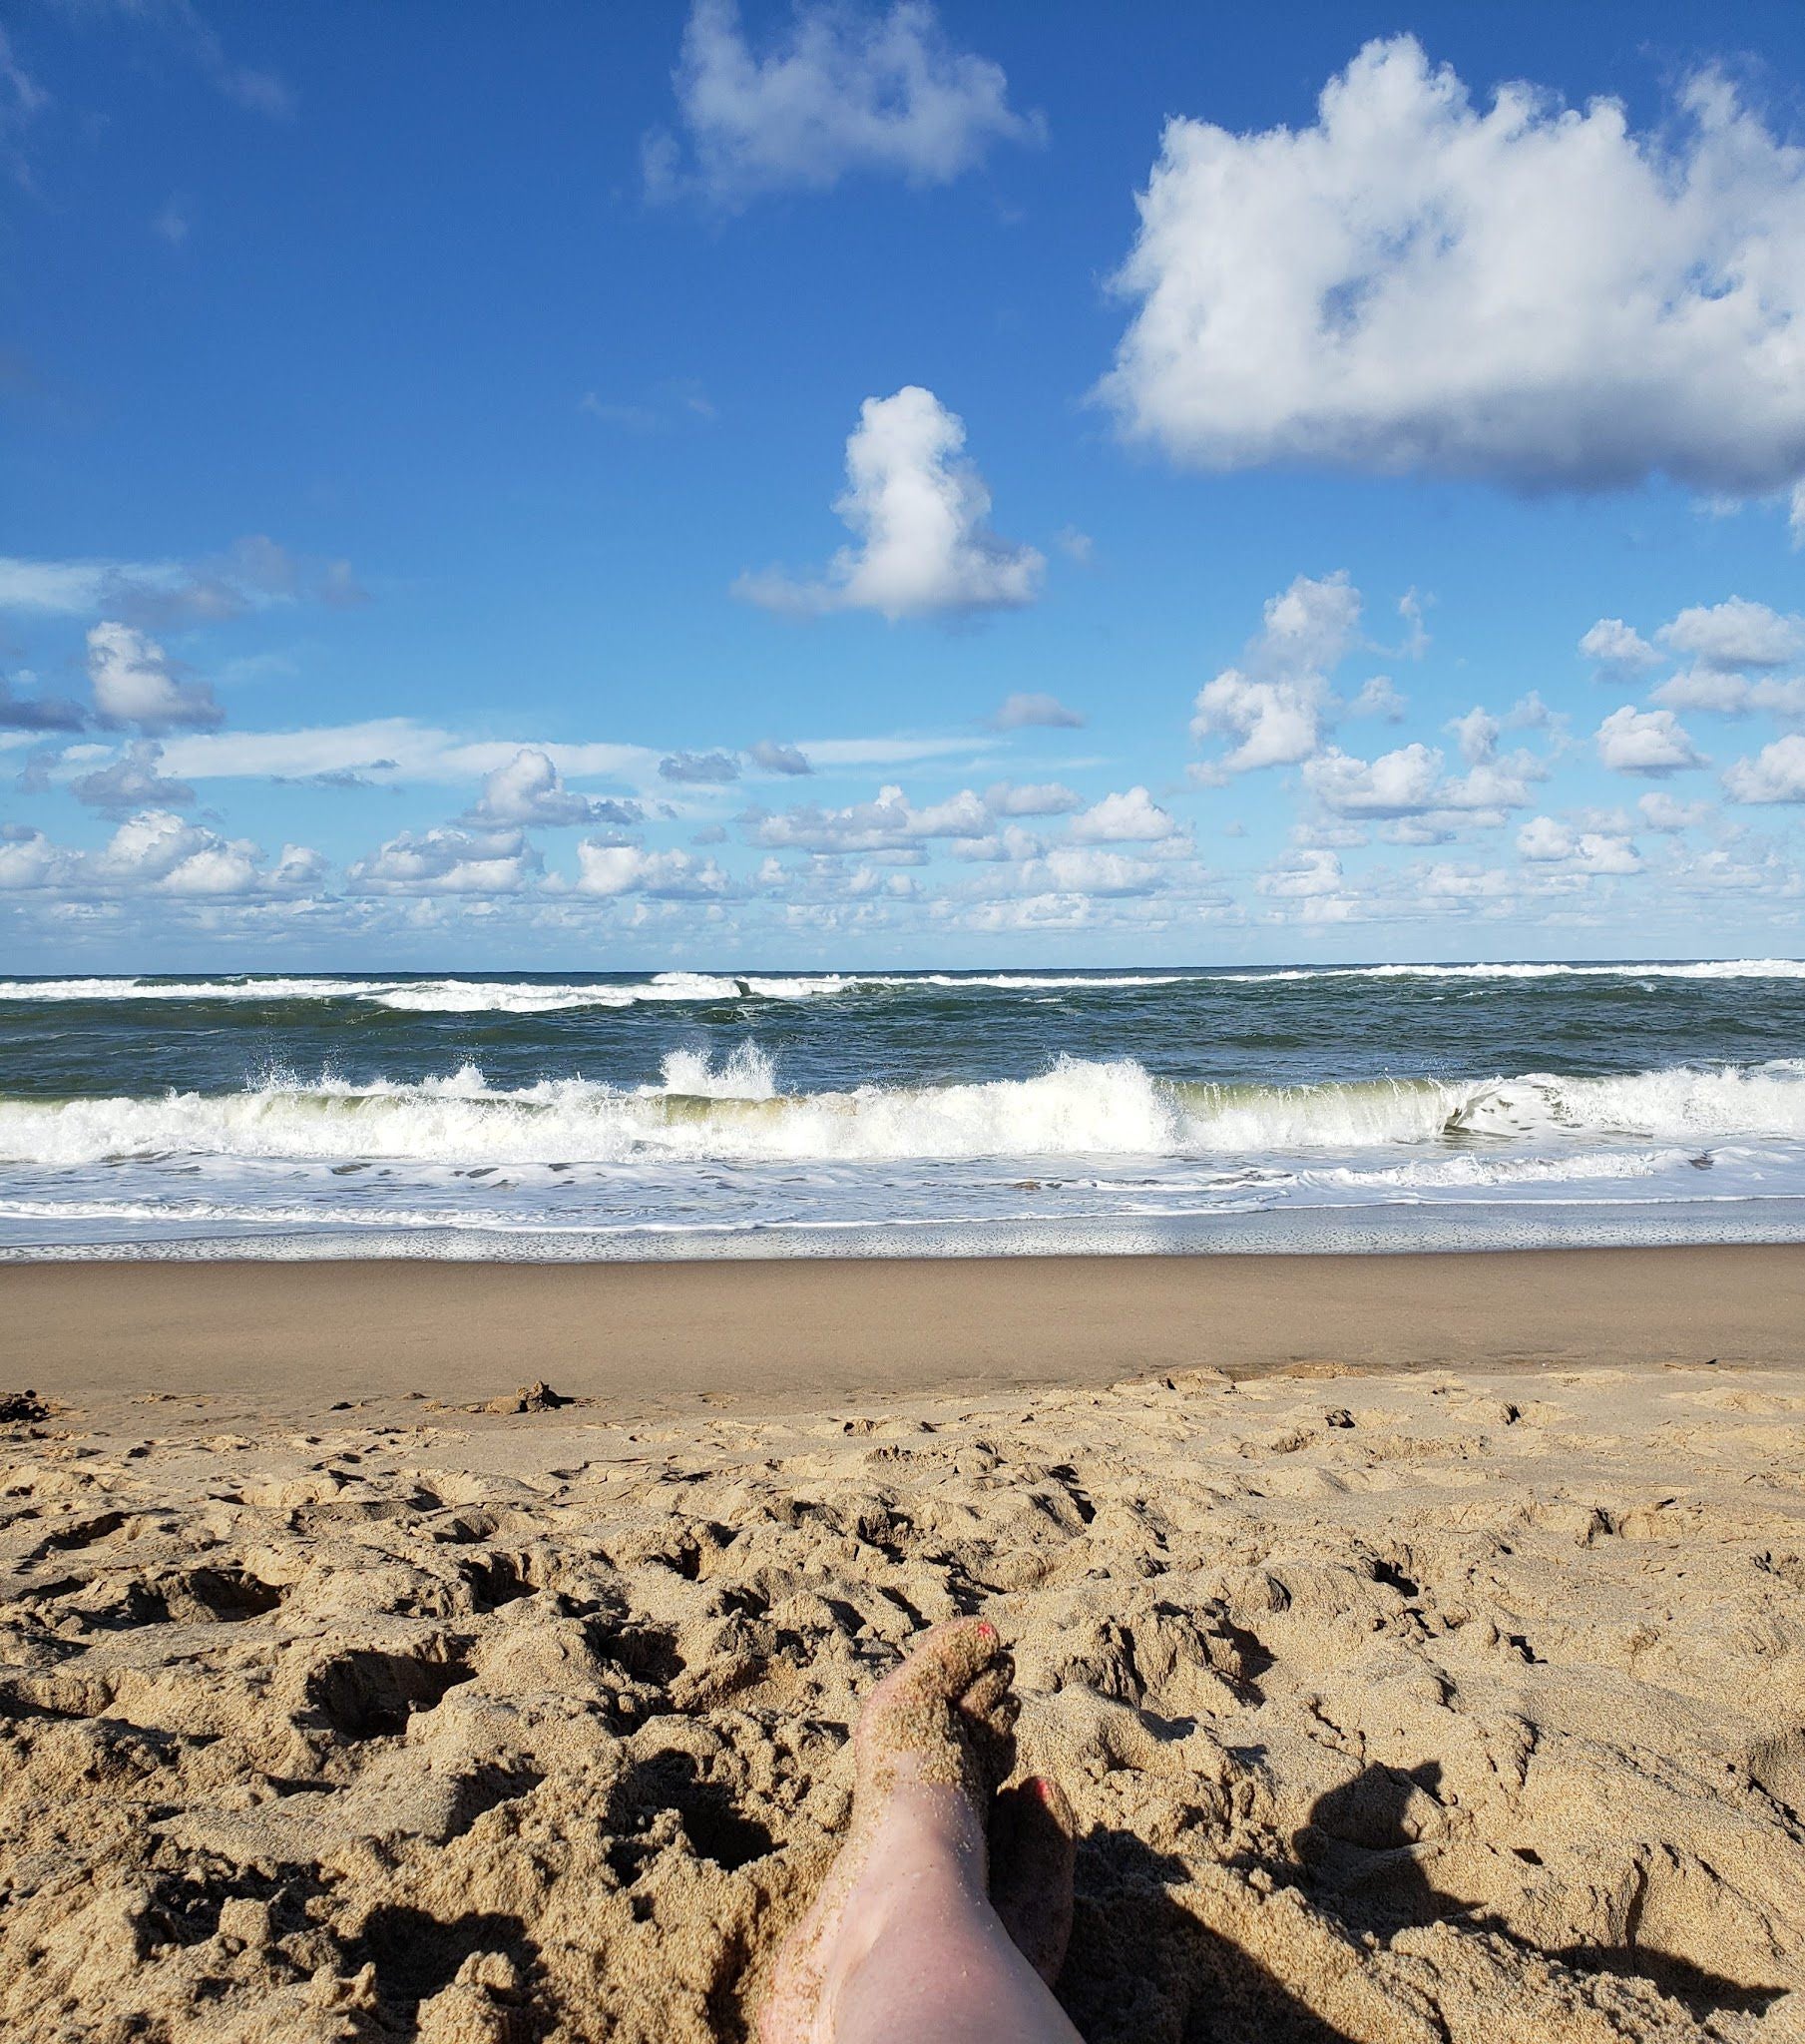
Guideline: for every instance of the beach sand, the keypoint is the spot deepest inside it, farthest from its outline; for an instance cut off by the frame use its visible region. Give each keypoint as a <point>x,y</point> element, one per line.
<point>1421,1641</point>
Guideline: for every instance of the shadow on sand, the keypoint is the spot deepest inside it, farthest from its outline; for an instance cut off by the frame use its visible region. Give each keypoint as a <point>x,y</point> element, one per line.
<point>1144,1968</point>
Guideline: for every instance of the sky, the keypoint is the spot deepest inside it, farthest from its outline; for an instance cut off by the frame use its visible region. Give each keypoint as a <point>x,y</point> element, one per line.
<point>837,485</point>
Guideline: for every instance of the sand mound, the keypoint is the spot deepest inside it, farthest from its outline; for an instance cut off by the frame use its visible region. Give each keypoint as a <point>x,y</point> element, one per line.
<point>1392,1709</point>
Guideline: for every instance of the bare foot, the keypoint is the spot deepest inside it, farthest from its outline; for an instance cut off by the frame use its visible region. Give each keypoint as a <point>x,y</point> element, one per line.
<point>913,1933</point>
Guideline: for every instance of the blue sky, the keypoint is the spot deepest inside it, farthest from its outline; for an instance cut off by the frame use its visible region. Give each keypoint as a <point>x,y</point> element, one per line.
<point>428,536</point>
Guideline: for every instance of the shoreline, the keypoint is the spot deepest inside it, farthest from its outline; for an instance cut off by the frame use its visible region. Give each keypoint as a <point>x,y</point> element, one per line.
<point>791,1335</point>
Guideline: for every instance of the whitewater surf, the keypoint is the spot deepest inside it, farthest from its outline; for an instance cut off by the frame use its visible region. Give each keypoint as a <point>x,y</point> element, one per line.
<point>604,1108</point>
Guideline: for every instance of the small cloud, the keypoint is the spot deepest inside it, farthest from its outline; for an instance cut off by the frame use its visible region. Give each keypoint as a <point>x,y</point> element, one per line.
<point>131,783</point>
<point>172,224</point>
<point>1021,712</point>
<point>700,767</point>
<point>777,759</point>
<point>134,682</point>
<point>1378,698</point>
<point>1618,650</point>
<point>629,418</point>
<point>1776,775</point>
<point>1074,545</point>
<point>1132,817</point>
<point>1736,634</point>
<point>615,869</point>
<point>1651,742</point>
<point>529,788</point>
<point>919,511</point>
<point>1033,798</point>
<point>845,89</point>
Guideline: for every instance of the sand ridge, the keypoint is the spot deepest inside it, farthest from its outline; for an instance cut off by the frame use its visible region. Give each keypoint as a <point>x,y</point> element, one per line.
<point>1454,1706</point>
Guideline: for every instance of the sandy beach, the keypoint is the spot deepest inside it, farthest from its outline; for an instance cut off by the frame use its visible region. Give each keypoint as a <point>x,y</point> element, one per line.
<point>1459,1699</point>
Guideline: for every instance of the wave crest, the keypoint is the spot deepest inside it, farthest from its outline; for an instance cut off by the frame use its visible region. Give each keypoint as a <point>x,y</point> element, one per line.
<point>735,1113</point>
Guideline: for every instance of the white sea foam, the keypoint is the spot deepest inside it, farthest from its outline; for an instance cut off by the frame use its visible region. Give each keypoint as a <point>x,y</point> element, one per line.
<point>438,996</point>
<point>223,989</point>
<point>1710,968</point>
<point>453,995</point>
<point>734,1113</point>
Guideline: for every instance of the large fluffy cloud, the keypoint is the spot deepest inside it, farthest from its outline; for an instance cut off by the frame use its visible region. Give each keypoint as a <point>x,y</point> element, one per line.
<point>1521,291</point>
<point>846,89</point>
<point>919,511</point>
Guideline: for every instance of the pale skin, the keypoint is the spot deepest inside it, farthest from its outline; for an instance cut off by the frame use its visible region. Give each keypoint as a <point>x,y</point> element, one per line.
<point>947,1912</point>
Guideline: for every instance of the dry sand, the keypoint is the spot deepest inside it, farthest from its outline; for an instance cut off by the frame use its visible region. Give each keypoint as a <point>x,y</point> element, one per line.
<point>1460,1704</point>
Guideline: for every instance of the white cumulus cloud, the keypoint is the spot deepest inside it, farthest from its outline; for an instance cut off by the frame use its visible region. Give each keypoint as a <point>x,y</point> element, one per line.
<point>1634,740</point>
<point>1544,840</point>
<point>1275,708</point>
<point>1776,775</point>
<point>919,510</point>
<point>845,89</point>
<point>155,853</point>
<point>888,823</point>
<point>530,789</point>
<point>1618,650</point>
<point>1030,798</point>
<point>1132,817</point>
<point>1521,291</point>
<point>1412,781</point>
<point>448,859</point>
<point>135,682</point>
<point>1735,633</point>
<point>615,869</point>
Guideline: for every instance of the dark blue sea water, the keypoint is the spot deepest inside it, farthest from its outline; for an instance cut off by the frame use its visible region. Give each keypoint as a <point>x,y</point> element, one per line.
<point>698,1113</point>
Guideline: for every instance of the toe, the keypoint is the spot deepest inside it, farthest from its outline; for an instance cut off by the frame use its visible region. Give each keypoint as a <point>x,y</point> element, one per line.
<point>949,1658</point>
<point>1032,1847</point>
<point>990,1699</point>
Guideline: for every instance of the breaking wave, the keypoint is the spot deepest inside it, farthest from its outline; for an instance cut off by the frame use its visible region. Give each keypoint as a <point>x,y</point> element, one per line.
<point>734,1112</point>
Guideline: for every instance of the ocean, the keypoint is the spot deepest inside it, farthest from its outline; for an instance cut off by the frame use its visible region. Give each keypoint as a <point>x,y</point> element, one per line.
<point>939,1113</point>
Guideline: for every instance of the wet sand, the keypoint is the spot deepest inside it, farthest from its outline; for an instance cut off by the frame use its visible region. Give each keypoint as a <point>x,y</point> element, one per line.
<point>775,1335</point>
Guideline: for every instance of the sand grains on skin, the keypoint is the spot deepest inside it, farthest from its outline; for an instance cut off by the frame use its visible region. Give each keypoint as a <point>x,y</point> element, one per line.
<point>1459,1707</point>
